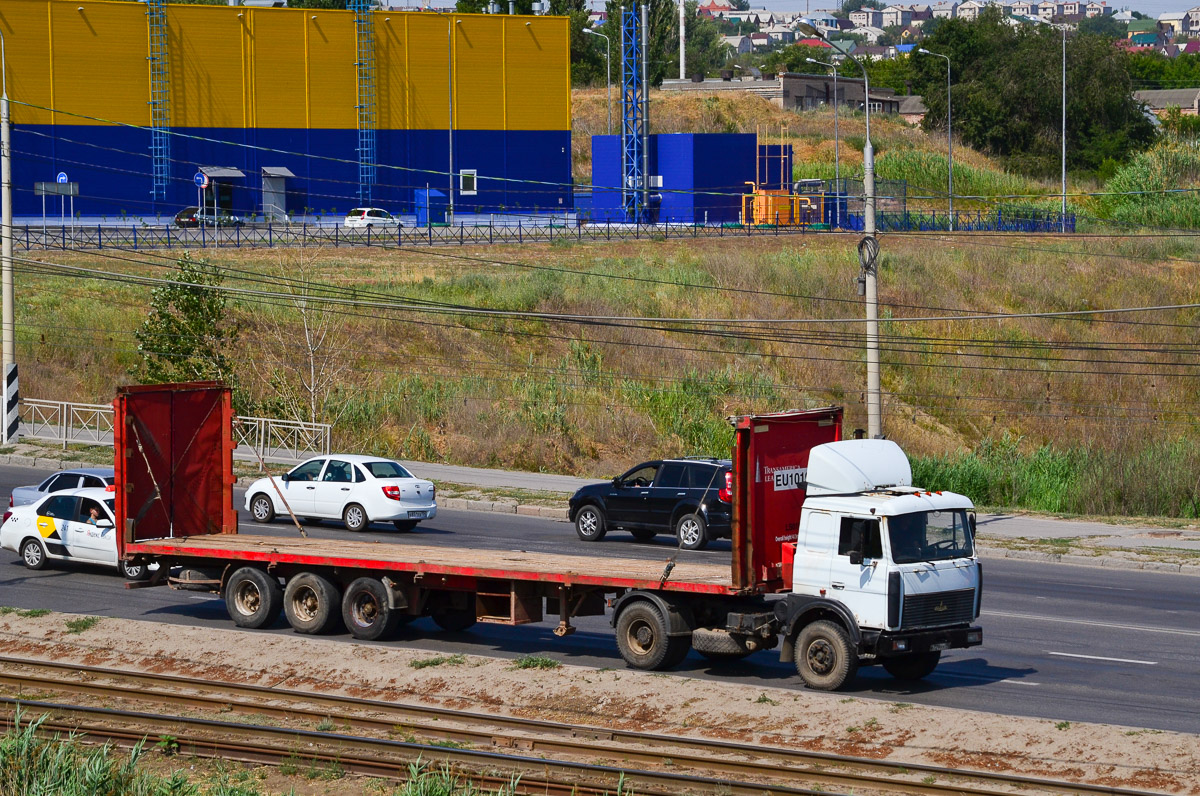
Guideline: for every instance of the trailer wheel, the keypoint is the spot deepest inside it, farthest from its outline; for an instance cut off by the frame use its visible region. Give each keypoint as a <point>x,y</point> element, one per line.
<point>133,571</point>
<point>311,603</point>
<point>262,509</point>
<point>355,517</point>
<point>825,656</point>
<point>455,621</point>
<point>590,524</point>
<point>643,641</point>
<point>917,666</point>
<point>692,532</point>
<point>366,612</point>
<point>253,598</point>
<point>33,554</point>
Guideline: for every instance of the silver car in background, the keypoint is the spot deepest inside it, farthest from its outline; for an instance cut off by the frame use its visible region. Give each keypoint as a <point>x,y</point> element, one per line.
<point>77,478</point>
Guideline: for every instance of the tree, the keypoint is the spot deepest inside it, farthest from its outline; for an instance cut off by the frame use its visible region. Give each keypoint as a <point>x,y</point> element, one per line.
<point>303,357</point>
<point>892,34</point>
<point>663,39</point>
<point>1006,98</point>
<point>848,7</point>
<point>1102,25</point>
<point>188,332</point>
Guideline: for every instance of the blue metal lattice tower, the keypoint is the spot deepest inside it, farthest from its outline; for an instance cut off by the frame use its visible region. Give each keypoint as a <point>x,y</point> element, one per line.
<point>160,100</point>
<point>364,29</point>
<point>633,121</point>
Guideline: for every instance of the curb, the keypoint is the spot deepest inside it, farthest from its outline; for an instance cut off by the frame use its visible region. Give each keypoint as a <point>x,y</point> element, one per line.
<point>1102,561</point>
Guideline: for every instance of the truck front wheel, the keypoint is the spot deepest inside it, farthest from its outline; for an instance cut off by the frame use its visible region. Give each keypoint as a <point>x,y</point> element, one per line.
<point>643,641</point>
<point>917,666</point>
<point>825,656</point>
<point>253,598</point>
<point>311,603</point>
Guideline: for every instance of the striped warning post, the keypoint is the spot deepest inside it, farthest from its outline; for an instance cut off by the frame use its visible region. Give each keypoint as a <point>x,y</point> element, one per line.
<point>12,415</point>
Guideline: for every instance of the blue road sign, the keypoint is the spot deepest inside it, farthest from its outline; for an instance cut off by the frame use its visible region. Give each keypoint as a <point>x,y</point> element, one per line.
<point>201,179</point>
<point>62,176</point>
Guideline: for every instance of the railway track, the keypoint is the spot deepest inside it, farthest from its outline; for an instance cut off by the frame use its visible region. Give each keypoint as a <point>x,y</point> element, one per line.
<point>547,757</point>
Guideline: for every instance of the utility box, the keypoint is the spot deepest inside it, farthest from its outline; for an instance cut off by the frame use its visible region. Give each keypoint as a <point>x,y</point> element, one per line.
<point>430,206</point>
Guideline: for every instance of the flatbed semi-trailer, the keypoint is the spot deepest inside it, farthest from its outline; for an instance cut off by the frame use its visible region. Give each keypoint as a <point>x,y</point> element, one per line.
<point>822,560</point>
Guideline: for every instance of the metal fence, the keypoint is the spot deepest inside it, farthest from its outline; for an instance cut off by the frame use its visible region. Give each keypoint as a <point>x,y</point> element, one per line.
<point>267,438</point>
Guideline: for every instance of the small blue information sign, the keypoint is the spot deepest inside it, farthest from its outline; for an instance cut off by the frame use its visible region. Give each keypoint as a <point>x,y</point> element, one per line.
<point>62,177</point>
<point>201,179</point>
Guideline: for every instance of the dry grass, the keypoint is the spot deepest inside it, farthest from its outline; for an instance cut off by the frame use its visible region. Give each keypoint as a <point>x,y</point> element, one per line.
<point>590,399</point>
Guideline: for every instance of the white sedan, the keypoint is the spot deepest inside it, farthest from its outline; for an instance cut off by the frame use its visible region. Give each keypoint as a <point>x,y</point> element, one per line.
<point>73,525</point>
<point>358,490</point>
<point>370,217</point>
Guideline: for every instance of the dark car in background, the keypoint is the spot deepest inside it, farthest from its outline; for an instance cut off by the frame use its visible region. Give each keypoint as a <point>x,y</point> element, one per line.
<point>187,217</point>
<point>689,498</point>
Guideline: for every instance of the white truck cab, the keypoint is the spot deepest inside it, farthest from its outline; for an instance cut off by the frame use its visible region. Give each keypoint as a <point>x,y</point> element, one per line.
<point>883,572</point>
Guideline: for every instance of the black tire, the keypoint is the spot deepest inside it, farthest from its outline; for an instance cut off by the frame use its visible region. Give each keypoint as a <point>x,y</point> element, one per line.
<point>643,641</point>
<point>692,532</point>
<point>33,554</point>
<point>826,658</point>
<point>312,604</point>
<point>366,612</point>
<point>404,525</point>
<point>643,534</point>
<point>355,517</point>
<point>253,598</point>
<point>719,646</point>
<point>262,509</point>
<point>913,667</point>
<point>455,621</point>
<point>133,571</point>
<point>590,523</point>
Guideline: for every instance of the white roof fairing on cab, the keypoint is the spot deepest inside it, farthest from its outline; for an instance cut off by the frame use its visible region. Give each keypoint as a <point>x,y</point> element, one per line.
<point>857,465</point>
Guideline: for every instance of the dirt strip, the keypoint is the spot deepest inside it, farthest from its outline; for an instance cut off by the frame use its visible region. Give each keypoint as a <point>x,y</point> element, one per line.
<point>626,699</point>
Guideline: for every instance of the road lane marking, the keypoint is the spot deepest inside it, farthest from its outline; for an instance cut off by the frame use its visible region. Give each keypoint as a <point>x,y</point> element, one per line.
<point>1101,658</point>
<point>1147,628</point>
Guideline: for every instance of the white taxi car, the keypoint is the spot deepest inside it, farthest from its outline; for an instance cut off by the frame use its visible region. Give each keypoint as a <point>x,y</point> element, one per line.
<point>370,217</point>
<point>73,525</point>
<point>358,490</point>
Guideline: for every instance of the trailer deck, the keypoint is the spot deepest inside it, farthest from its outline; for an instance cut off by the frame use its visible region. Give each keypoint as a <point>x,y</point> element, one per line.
<point>430,563</point>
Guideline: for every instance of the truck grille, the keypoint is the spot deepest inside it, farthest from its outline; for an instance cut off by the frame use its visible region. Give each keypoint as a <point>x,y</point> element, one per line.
<point>938,608</point>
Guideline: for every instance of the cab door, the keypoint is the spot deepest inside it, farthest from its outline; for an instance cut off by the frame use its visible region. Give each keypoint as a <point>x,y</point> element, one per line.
<point>54,524</point>
<point>334,490</point>
<point>861,587</point>
<point>92,541</point>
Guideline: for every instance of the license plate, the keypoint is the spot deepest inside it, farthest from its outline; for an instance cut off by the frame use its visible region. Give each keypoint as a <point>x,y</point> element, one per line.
<point>939,646</point>
<point>418,515</point>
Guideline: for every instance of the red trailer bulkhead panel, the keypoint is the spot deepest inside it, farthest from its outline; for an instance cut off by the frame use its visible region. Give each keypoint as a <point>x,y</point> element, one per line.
<point>770,477</point>
<point>174,461</point>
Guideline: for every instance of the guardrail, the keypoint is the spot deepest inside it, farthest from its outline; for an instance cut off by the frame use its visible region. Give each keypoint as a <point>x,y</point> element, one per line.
<point>268,438</point>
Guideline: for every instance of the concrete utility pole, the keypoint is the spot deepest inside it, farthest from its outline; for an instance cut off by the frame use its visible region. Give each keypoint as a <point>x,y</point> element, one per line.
<point>6,222</point>
<point>868,249</point>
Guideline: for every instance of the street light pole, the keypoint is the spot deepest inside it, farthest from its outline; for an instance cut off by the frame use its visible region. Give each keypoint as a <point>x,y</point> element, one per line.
<point>949,137</point>
<point>837,161</point>
<point>608,66</point>
<point>868,248</point>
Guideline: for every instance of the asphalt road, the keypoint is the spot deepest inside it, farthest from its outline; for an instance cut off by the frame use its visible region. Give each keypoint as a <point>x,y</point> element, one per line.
<point>1060,642</point>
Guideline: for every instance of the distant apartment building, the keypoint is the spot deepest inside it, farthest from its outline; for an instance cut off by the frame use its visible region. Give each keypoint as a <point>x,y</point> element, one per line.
<point>867,18</point>
<point>895,15</point>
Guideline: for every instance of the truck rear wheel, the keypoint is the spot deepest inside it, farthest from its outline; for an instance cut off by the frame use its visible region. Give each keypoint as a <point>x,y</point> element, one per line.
<point>311,603</point>
<point>366,612</point>
<point>253,598</point>
<point>643,641</point>
<point>917,666</point>
<point>825,656</point>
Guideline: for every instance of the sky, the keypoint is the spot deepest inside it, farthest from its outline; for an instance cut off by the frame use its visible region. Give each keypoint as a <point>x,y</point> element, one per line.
<point>1151,8</point>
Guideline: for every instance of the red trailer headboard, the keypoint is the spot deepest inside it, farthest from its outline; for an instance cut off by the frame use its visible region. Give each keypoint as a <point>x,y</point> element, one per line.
<point>770,463</point>
<point>174,460</point>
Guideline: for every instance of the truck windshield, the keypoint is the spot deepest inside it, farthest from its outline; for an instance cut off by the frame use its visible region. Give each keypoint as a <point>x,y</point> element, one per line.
<point>929,536</point>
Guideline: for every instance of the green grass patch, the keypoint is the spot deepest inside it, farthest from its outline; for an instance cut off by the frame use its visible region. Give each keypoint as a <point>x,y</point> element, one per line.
<point>535,662</point>
<point>82,623</point>
<point>440,660</point>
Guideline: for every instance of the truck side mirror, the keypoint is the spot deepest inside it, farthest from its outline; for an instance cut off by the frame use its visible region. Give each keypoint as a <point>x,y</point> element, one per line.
<point>971,522</point>
<point>856,557</point>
